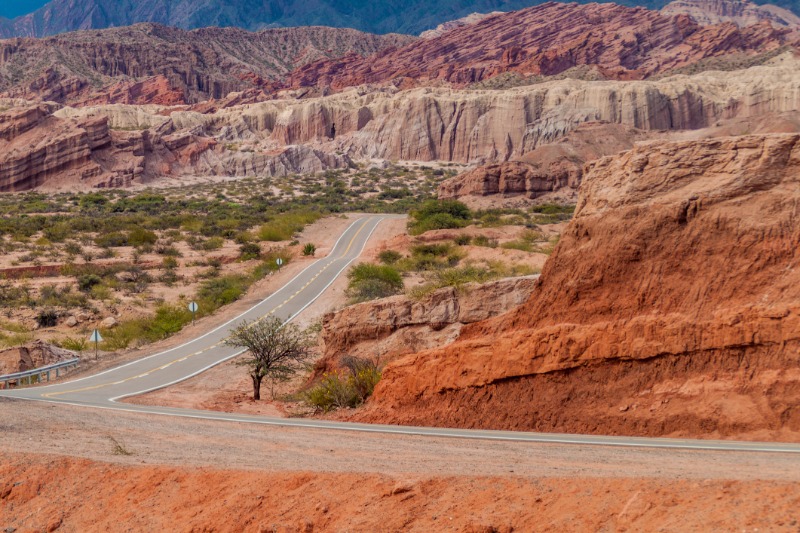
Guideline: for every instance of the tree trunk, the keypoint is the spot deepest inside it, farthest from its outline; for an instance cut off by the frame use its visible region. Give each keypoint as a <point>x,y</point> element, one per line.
<point>256,387</point>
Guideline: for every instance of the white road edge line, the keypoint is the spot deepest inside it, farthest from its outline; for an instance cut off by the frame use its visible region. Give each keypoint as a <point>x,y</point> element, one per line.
<point>543,438</point>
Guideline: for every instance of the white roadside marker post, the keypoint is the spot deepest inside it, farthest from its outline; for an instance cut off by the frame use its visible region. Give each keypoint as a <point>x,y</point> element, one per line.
<point>193,307</point>
<point>96,338</point>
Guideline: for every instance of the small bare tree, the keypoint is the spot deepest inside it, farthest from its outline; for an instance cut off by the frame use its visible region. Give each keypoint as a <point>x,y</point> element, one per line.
<point>276,350</point>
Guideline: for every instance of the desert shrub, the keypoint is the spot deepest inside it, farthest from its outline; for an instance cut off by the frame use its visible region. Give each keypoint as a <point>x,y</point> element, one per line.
<point>283,227</point>
<point>141,236</point>
<point>367,281</point>
<point>439,214</point>
<point>462,240</point>
<point>525,243</point>
<point>73,248</point>
<point>249,250</point>
<point>212,243</point>
<point>348,389</point>
<point>167,250</point>
<point>87,281</point>
<point>47,318</point>
<point>431,257</point>
<point>223,290</point>
<point>483,240</point>
<point>111,240</point>
<point>309,249</point>
<point>389,257</point>
<point>76,344</point>
<point>332,392</point>
<point>551,213</point>
<point>169,319</point>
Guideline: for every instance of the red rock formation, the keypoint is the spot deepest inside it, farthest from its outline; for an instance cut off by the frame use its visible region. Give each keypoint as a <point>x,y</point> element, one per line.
<point>399,325</point>
<point>148,63</point>
<point>623,43</point>
<point>552,170</point>
<point>30,356</point>
<point>670,306</point>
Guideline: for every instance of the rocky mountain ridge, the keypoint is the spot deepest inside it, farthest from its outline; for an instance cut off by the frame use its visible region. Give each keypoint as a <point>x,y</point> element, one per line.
<point>612,41</point>
<point>154,64</point>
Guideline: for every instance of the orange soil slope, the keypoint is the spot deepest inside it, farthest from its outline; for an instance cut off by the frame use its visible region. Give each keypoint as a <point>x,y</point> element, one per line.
<point>49,494</point>
<point>671,306</point>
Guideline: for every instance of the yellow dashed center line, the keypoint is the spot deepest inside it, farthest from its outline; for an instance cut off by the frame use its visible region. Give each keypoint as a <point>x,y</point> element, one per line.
<point>184,358</point>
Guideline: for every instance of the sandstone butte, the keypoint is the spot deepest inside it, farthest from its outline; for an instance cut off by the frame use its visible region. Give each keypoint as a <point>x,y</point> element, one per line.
<point>424,124</point>
<point>669,307</point>
<point>620,42</point>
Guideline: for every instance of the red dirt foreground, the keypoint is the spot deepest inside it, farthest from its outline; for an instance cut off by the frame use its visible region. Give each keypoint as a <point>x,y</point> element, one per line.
<point>41,493</point>
<point>671,306</point>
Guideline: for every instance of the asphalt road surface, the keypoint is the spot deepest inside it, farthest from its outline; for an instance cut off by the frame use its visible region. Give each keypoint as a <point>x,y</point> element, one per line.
<point>105,389</point>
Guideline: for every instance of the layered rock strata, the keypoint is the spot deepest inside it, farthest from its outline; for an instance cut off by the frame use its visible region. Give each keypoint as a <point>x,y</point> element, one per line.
<point>387,328</point>
<point>619,42</point>
<point>670,306</point>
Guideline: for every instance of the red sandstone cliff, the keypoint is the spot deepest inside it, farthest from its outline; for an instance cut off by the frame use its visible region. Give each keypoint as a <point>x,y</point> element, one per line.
<point>670,306</point>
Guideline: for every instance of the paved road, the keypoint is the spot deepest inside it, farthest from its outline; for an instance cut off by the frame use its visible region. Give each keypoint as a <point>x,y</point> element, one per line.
<point>104,390</point>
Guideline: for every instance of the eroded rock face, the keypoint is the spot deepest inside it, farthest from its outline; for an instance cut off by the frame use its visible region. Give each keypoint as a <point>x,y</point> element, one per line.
<point>491,126</point>
<point>389,327</point>
<point>154,64</point>
<point>287,135</point>
<point>620,42</point>
<point>740,12</point>
<point>42,146</point>
<point>30,356</point>
<point>511,179</point>
<point>551,172</point>
<point>676,284</point>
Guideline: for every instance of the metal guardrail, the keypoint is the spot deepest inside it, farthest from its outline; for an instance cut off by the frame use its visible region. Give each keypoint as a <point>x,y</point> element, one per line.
<point>41,374</point>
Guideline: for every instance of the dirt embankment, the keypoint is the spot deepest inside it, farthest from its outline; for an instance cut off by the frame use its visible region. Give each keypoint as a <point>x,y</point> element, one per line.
<point>670,307</point>
<point>63,494</point>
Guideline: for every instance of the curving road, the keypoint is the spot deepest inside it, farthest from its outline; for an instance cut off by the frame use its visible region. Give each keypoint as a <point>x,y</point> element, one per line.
<point>105,389</point>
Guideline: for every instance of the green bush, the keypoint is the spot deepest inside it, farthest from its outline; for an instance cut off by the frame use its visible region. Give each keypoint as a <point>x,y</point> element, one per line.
<point>87,281</point>
<point>114,239</point>
<point>283,227</point>
<point>223,290</point>
<point>389,257</point>
<point>249,250</point>
<point>336,391</point>
<point>212,243</point>
<point>439,214</point>
<point>483,240</point>
<point>76,344</point>
<point>141,236</point>
<point>367,281</point>
<point>309,249</point>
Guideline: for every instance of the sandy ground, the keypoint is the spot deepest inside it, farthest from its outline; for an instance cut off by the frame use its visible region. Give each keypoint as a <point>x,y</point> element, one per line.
<point>61,468</point>
<point>227,387</point>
